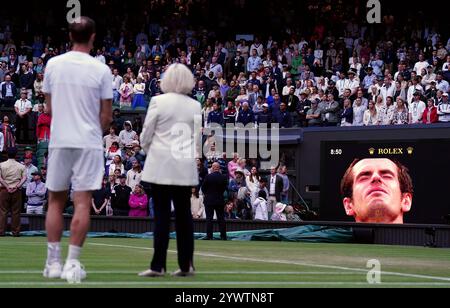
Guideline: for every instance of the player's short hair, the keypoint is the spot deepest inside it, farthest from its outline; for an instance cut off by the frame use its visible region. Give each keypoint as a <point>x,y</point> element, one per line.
<point>178,79</point>
<point>406,184</point>
<point>81,30</point>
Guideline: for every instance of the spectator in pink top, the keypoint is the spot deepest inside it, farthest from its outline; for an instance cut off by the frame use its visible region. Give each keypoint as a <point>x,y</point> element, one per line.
<point>138,202</point>
<point>233,166</point>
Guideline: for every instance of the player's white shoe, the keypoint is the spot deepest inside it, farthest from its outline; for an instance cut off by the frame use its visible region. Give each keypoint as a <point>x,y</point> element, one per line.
<point>73,272</point>
<point>53,271</point>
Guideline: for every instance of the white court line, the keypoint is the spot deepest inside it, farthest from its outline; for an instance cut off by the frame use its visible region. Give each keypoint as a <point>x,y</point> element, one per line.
<point>223,283</point>
<point>197,273</point>
<point>285,262</point>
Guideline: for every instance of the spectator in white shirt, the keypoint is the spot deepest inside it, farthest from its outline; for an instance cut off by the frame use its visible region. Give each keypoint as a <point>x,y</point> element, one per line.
<point>388,89</point>
<point>416,109</point>
<point>23,109</point>
<point>422,64</point>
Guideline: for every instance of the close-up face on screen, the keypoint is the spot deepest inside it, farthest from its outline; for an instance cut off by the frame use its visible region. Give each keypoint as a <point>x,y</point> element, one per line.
<point>385,182</point>
<point>251,146</point>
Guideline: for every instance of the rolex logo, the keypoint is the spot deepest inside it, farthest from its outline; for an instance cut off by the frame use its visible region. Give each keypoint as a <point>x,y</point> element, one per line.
<point>410,150</point>
<point>371,151</point>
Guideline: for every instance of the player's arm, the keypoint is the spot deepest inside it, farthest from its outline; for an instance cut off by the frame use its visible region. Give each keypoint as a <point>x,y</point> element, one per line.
<point>106,113</point>
<point>48,103</point>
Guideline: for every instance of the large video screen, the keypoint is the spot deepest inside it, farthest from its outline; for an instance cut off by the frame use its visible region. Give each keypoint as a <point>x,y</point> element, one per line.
<point>386,182</point>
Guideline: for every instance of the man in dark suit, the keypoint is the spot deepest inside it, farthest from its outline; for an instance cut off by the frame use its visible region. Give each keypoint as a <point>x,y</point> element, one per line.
<point>214,187</point>
<point>8,92</point>
<point>275,187</point>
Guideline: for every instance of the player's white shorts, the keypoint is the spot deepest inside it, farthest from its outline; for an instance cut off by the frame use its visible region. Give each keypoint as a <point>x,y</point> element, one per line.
<point>83,168</point>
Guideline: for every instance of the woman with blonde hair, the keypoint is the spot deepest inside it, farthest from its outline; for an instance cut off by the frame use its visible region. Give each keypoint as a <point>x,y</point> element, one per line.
<point>171,167</point>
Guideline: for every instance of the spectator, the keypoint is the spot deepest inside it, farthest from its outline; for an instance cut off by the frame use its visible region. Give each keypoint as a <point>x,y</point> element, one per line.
<point>126,92</point>
<point>416,109</point>
<point>286,184</point>
<point>120,196</point>
<point>134,176</point>
<point>215,117</point>
<point>314,114</point>
<point>252,182</point>
<point>138,202</point>
<point>233,166</point>
<point>444,109</point>
<point>284,118</point>
<point>37,195</point>
<point>347,114</point>
<point>101,199</point>
<point>265,117</point>
<point>23,108</point>
<point>118,121</point>
<point>229,114</point>
<point>243,204</point>
<point>139,91</point>
<point>330,111</point>
<point>387,113</point>
<point>430,115</point>
<point>230,211</point>
<point>8,91</point>
<point>2,145</point>
<point>279,213</point>
<point>110,139</point>
<point>197,206</point>
<point>260,207</point>
<point>358,112</point>
<point>401,114</point>
<point>246,116</point>
<point>371,116</point>
<point>12,178</point>
<point>291,216</point>
<point>43,126</point>
<point>276,187</point>
<point>116,164</point>
<point>127,135</point>
<point>117,84</point>
<point>253,62</point>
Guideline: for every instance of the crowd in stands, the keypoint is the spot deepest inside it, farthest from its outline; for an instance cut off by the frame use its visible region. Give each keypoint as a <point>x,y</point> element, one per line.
<point>326,77</point>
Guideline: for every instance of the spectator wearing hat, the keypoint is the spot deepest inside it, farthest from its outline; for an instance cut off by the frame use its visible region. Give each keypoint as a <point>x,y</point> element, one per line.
<point>36,193</point>
<point>127,135</point>
<point>23,109</point>
<point>416,109</point>
<point>265,117</point>
<point>29,167</point>
<point>12,177</point>
<point>314,115</point>
<point>414,88</point>
<point>432,91</point>
<point>120,196</point>
<point>353,82</point>
<point>444,109</point>
<point>138,202</point>
<point>279,214</point>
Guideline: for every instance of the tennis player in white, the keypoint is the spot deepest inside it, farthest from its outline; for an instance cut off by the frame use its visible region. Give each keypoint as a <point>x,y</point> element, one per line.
<point>79,96</point>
